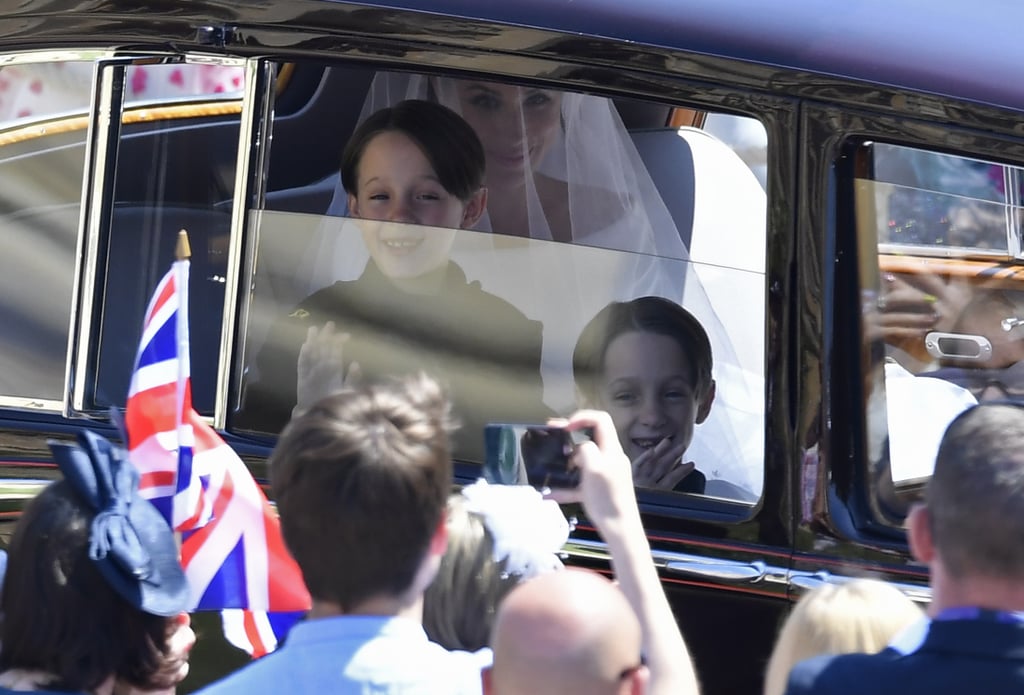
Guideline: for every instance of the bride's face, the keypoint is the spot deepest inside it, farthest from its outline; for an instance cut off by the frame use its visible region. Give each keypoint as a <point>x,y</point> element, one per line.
<point>516,125</point>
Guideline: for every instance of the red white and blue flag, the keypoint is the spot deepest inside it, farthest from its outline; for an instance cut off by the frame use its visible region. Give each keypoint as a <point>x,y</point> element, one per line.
<point>232,549</point>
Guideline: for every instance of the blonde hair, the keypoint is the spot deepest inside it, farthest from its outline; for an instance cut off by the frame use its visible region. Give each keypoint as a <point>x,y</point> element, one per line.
<point>460,604</point>
<point>859,616</point>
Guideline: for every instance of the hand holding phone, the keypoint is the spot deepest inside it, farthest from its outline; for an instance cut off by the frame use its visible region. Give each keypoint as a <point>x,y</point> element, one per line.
<point>537,455</point>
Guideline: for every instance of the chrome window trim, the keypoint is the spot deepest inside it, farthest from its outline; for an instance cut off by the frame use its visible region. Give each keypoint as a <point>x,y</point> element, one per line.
<point>250,180</point>
<point>102,140</point>
<point>698,567</point>
<point>961,252</point>
<point>38,404</point>
<point>1011,184</point>
<point>723,571</point>
<point>50,56</point>
<point>802,582</point>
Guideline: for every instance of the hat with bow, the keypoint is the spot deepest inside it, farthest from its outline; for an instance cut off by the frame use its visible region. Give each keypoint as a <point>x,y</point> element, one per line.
<point>130,542</point>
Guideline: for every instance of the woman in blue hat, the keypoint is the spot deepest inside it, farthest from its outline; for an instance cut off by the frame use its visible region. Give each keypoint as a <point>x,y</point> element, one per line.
<point>94,597</point>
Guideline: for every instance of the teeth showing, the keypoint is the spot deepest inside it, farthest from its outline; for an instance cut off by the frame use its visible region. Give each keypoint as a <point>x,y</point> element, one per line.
<point>401,243</point>
<point>649,443</point>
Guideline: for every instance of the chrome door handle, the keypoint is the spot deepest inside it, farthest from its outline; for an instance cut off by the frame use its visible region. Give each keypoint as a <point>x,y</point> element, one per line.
<point>728,572</point>
<point>809,582</point>
<point>802,582</point>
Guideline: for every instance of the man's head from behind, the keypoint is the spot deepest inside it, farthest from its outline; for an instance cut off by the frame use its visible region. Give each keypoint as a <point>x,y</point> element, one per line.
<point>361,480</point>
<point>974,503</point>
<point>566,632</point>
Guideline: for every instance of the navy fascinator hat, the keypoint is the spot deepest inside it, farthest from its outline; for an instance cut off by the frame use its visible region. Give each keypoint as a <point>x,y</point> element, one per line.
<point>130,542</point>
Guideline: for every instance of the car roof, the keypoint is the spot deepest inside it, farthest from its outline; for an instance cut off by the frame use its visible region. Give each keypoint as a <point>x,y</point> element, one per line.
<point>967,50</point>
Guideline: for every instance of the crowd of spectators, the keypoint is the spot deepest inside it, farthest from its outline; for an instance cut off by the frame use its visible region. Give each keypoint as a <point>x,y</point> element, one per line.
<point>377,456</point>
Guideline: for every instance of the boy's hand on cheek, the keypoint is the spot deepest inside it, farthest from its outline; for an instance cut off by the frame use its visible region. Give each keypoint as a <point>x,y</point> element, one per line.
<point>660,466</point>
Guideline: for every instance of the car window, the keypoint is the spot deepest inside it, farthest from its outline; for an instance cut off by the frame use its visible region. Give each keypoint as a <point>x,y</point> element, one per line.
<point>746,137</point>
<point>673,235</point>
<point>174,169</point>
<point>40,202</point>
<point>942,303</point>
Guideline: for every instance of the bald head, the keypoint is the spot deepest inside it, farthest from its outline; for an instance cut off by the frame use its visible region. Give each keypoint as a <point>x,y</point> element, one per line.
<point>568,632</point>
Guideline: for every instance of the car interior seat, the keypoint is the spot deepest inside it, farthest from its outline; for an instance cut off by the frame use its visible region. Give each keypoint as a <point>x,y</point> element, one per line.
<point>143,240</point>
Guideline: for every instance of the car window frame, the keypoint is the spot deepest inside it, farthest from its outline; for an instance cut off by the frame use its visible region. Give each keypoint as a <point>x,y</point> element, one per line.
<point>845,404</point>
<point>770,110</point>
<point>106,120</point>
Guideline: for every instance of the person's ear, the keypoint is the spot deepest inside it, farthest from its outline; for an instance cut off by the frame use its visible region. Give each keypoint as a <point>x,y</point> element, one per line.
<point>919,534</point>
<point>474,209</point>
<point>353,205</point>
<point>640,681</point>
<point>485,680</point>
<point>439,541</point>
<point>704,407</point>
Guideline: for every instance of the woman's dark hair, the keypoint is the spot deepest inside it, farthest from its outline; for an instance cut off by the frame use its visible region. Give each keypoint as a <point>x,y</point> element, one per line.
<point>447,141</point>
<point>62,617</point>
<point>646,315</point>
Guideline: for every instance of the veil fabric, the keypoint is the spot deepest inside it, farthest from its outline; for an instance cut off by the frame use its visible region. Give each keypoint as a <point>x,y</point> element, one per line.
<point>612,201</point>
<point>624,244</point>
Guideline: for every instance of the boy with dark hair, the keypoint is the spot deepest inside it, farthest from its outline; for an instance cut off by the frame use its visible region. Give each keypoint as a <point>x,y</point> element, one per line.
<point>414,175</point>
<point>361,481</point>
<point>648,363</point>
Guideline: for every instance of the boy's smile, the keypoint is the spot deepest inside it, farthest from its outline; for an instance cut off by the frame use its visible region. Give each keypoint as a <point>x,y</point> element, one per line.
<point>398,187</point>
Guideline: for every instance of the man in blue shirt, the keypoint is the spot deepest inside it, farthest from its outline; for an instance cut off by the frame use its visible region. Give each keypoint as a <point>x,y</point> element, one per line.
<point>970,533</point>
<point>361,481</point>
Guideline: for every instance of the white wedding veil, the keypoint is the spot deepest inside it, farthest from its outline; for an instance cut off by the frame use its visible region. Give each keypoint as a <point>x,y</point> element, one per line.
<point>589,186</point>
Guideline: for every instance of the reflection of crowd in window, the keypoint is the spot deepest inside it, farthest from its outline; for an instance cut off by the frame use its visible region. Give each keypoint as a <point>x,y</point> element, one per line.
<point>944,200</point>
<point>950,329</point>
<point>40,90</point>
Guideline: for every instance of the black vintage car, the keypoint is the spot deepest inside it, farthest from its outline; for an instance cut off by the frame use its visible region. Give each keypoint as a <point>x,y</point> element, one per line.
<point>786,173</point>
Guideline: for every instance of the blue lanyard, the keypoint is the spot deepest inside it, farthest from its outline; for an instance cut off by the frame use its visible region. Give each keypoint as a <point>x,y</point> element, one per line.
<point>975,613</point>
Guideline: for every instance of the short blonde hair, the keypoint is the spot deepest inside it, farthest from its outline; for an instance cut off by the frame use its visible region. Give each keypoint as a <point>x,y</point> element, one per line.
<point>460,604</point>
<point>859,616</point>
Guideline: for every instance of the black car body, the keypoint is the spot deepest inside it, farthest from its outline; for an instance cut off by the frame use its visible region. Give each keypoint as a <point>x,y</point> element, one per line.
<point>92,195</point>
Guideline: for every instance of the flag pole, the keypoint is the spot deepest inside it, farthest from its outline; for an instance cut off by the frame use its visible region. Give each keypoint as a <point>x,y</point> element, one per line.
<point>182,254</point>
<point>183,251</point>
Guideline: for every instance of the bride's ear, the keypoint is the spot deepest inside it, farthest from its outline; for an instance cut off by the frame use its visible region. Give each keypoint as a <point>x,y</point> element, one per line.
<point>475,207</point>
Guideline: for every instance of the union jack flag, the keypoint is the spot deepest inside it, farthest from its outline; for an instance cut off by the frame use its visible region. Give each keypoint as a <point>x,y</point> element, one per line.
<point>232,549</point>
<point>159,415</point>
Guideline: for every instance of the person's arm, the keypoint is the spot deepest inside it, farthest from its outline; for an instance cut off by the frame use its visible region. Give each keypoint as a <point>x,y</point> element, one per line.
<point>606,491</point>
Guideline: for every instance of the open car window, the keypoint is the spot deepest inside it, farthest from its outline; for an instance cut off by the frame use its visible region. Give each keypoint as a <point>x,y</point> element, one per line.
<point>942,302</point>
<point>674,214</point>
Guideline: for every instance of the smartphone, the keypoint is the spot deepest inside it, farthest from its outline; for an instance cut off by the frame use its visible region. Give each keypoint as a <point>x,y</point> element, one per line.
<point>537,455</point>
